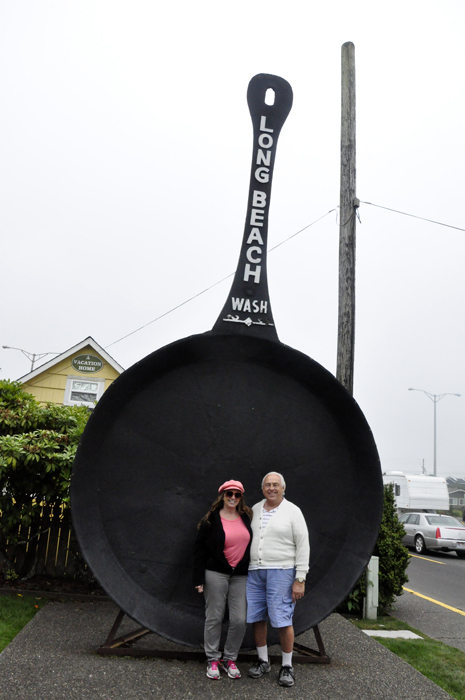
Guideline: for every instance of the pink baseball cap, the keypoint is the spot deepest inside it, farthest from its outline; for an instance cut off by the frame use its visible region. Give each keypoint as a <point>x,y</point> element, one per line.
<point>231,485</point>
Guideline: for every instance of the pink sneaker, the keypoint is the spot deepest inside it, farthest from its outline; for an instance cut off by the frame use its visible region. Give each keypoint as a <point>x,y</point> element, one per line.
<point>231,669</point>
<point>213,670</point>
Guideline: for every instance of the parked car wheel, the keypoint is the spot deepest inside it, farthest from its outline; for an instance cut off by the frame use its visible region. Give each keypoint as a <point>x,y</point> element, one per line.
<point>461,555</point>
<point>420,544</point>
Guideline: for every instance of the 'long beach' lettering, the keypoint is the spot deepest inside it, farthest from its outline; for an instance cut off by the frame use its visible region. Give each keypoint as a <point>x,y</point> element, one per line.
<point>252,269</point>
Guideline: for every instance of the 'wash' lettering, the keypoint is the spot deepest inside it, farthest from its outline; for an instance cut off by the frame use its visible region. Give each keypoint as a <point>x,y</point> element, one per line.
<point>241,304</point>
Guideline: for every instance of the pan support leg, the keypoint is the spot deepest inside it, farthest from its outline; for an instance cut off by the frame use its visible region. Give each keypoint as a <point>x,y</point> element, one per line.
<point>122,646</point>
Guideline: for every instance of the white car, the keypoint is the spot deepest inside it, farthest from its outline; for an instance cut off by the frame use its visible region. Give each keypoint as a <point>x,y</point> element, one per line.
<point>430,531</point>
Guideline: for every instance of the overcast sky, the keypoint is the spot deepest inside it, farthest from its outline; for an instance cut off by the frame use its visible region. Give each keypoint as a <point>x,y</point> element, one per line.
<point>124,169</point>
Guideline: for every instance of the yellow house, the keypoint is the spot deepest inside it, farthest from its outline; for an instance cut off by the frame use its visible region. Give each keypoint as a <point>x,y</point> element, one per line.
<point>77,377</point>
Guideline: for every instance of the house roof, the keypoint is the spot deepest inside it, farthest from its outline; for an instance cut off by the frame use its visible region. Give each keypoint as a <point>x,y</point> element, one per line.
<point>83,344</point>
<point>455,481</point>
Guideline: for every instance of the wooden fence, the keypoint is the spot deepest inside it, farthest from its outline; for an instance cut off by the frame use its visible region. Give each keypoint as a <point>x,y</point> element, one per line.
<point>54,552</point>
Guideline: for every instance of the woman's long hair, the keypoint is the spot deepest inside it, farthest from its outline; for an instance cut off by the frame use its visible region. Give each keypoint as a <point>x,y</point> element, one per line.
<point>218,504</point>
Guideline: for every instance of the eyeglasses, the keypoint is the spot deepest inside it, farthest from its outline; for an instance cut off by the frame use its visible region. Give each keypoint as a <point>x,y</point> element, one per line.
<point>233,494</point>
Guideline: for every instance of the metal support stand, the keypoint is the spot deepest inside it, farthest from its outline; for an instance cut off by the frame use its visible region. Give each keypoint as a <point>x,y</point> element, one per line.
<point>122,646</point>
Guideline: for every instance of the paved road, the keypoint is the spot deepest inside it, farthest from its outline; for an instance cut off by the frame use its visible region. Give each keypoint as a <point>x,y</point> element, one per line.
<point>437,604</point>
<point>438,575</point>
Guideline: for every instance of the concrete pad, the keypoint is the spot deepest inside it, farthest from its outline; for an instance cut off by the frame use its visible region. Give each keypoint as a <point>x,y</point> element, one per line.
<point>392,634</point>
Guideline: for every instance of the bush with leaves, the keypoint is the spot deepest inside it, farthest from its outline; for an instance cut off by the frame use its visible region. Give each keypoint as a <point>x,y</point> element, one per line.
<point>37,448</point>
<point>393,560</point>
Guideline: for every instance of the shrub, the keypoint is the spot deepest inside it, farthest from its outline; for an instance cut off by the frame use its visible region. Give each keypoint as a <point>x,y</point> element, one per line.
<point>393,556</point>
<point>37,449</point>
<point>393,560</point>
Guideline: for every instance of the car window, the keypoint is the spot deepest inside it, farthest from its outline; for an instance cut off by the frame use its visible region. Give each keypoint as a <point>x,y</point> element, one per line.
<point>444,520</point>
<point>415,519</point>
<point>411,519</point>
<point>403,517</point>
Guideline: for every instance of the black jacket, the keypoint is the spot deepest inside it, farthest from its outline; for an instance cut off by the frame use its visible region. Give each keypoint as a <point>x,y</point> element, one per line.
<point>209,550</point>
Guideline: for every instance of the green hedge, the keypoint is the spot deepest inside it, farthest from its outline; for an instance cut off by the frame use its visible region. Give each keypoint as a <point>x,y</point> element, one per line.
<point>393,561</point>
<point>37,448</point>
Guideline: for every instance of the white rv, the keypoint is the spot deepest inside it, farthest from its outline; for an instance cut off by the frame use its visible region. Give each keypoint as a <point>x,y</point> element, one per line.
<point>418,491</point>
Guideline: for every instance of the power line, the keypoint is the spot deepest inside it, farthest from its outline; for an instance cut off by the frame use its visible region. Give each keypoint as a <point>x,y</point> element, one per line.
<point>302,229</point>
<point>414,216</point>
<point>213,285</point>
<point>379,206</point>
<point>170,311</point>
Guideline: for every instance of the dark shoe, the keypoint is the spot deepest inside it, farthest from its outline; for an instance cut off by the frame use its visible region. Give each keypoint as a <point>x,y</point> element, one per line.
<point>286,676</point>
<point>259,668</point>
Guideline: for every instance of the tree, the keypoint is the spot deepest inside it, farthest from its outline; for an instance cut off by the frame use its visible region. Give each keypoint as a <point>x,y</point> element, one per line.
<point>37,448</point>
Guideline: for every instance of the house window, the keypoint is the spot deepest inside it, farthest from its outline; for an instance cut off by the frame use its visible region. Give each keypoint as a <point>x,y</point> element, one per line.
<point>83,391</point>
<point>453,501</point>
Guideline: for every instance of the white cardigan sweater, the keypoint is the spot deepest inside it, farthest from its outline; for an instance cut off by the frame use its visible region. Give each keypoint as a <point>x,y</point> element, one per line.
<point>283,543</point>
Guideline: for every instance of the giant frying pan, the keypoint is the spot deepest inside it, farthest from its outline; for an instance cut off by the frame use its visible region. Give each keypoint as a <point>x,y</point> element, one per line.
<point>231,403</point>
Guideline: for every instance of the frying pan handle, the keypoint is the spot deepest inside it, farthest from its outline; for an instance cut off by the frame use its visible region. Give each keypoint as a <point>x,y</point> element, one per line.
<point>248,310</point>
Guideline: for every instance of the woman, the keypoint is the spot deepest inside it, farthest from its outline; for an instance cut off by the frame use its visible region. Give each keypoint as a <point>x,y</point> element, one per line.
<point>221,561</point>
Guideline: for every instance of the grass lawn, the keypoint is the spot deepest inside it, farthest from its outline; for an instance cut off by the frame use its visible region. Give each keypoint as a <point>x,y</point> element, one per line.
<point>15,612</point>
<point>442,664</point>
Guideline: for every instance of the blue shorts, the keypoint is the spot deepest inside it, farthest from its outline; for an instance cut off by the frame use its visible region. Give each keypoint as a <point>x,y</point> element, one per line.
<point>269,594</point>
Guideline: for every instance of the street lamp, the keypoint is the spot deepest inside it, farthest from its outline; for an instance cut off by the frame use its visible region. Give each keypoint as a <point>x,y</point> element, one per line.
<point>434,398</point>
<point>34,357</point>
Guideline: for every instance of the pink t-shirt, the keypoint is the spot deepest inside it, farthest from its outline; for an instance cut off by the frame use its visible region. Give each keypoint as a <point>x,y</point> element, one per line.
<point>236,539</point>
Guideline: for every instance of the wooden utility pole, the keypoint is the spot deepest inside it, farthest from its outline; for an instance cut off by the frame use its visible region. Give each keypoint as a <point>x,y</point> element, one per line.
<point>347,215</point>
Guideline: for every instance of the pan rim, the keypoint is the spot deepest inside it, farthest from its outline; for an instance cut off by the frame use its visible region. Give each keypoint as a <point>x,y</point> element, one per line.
<point>202,348</point>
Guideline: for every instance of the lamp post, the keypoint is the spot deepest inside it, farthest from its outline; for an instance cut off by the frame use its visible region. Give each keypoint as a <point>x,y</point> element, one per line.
<point>434,398</point>
<point>32,356</point>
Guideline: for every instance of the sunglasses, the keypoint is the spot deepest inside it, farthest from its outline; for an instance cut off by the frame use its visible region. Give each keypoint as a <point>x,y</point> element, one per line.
<point>233,494</point>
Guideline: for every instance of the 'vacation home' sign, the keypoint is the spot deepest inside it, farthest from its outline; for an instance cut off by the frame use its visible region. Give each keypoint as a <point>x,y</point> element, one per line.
<point>87,364</point>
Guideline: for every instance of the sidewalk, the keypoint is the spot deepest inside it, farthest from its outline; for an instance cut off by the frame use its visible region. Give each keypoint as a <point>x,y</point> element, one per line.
<point>54,658</point>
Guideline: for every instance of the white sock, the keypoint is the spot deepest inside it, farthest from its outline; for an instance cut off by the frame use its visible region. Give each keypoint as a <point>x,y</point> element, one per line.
<point>287,658</point>
<point>262,653</point>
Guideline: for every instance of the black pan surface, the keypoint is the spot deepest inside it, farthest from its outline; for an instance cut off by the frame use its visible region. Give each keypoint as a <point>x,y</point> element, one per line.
<point>231,403</point>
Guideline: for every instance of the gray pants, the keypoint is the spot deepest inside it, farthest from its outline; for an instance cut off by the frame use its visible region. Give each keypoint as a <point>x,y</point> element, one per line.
<point>218,589</point>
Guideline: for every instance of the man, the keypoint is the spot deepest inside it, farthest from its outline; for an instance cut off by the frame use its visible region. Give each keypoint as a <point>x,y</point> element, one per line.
<point>279,558</point>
